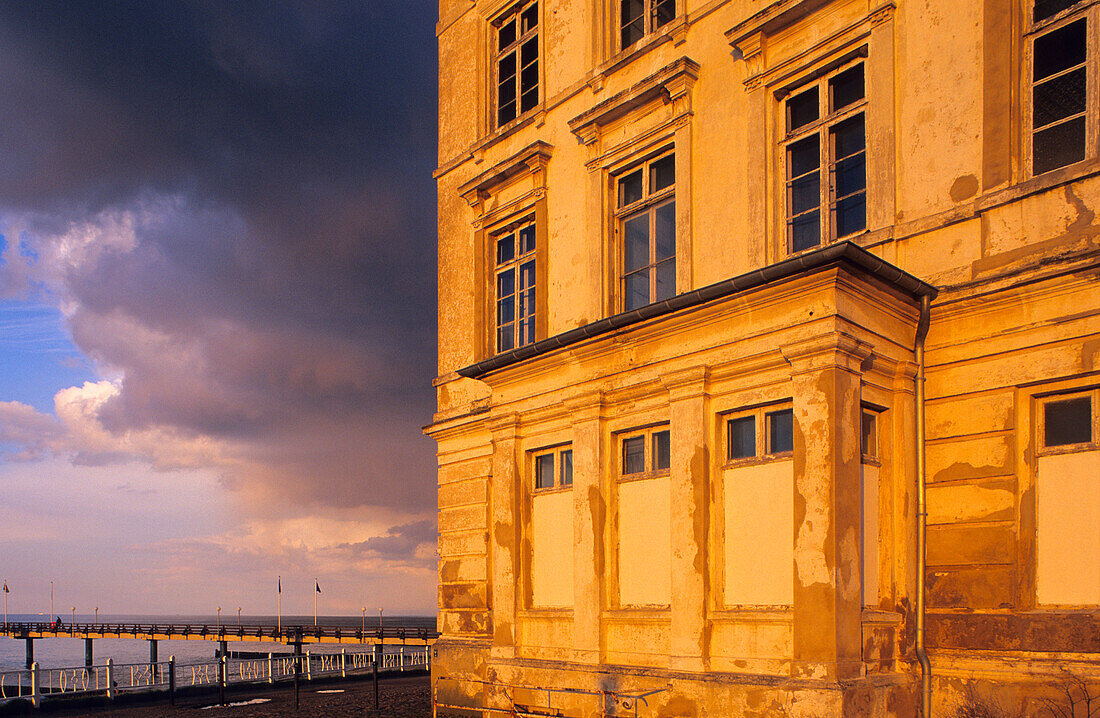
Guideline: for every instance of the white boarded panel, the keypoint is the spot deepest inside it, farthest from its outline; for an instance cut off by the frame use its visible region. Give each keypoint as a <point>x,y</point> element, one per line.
<point>759,551</point>
<point>644,546</point>
<point>552,550</point>
<point>1068,525</point>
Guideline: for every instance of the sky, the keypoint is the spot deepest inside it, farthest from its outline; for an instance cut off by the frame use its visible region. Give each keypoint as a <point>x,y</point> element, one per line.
<point>217,305</point>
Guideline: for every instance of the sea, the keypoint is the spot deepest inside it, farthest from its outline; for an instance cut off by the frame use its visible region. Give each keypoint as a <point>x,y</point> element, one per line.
<point>69,652</point>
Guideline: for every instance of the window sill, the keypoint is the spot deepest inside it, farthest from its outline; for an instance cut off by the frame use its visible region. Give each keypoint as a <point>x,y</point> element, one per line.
<point>672,32</point>
<point>656,614</point>
<point>758,460</point>
<point>551,490</point>
<point>644,475</point>
<point>1067,449</point>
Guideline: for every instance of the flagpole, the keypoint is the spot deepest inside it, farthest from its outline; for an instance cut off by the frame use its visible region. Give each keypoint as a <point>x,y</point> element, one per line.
<point>280,604</point>
<point>317,590</point>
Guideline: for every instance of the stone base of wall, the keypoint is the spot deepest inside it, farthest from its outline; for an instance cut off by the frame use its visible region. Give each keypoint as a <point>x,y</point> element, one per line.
<point>464,675</point>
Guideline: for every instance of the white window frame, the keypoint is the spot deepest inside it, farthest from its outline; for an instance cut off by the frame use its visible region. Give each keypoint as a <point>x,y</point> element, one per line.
<point>515,266</point>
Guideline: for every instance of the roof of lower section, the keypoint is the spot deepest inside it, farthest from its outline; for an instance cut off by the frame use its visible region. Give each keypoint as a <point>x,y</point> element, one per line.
<point>838,253</point>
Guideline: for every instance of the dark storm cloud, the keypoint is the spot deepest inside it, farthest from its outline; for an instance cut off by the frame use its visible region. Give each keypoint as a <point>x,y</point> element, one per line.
<point>272,162</point>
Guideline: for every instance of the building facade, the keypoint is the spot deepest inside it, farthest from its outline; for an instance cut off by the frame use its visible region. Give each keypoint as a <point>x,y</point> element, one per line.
<point>769,356</point>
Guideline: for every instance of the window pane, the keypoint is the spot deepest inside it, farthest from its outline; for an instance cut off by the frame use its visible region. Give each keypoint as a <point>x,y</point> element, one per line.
<point>848,137</point>
<point>666,280</point>
<point>802,109</point>
<point>506,113</point>
<point>527,275</point>
<point>868,435</point>
<point>661,451</point>
<point>780,431</point>
<point>846,87</point>
<point>1059,145</point>
<point>851,175</point>
<point>630,188</point>
<point>742,437</point>
<point>530,18</point>
<point>504,339</point>
<point>1068,422</point>
<point>1049,8</point>
<point>634,455</point>
<point>802,157</point>
<point>851,214</point>
<point>805,194</point>
<point>665,227</point>
<point>506,311</point>
<point>662,173</point>
<point>567,467</point>
<point>527,239</point>
<point>1060,49</point>
<point>506,284</point>
<point>636,243</point>
<point>636,290</point>
<point>1058,98</point>
<point>544,471</point>
<point>631,21</point>
<point>805,231</point>
<point>506,248</point>
<point>507,34</point>
<point>663,12</point>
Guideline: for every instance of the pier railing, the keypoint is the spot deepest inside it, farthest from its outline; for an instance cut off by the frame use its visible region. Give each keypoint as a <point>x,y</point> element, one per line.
<point>111,679</point>
<point>220,632</point>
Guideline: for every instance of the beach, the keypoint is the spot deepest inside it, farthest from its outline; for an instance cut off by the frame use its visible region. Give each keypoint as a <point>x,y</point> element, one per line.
<point>399,697</point>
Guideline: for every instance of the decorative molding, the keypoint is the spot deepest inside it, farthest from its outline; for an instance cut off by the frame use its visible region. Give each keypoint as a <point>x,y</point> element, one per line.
<point>530,161</point>
<point>672,82</point>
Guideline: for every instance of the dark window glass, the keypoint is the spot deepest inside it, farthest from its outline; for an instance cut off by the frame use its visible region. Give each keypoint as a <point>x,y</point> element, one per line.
<point>802,109</point>
<point>529,79</point>
<point>636,290</point>
<point>666,280</point>
<point>780,426</point>
<point>665,231</point>
<point>803,156</point>
<point>742,437</point>
<point>635,243</point>
<point>1050,8</point>
<point>530,18</point>
<point>662,173</point>
<point>544,471</point>
<point>527,237</point>
<point>846,87</point>
<point>850,176</point>
<point>1059,97</point>
<point>506,35</point>
<point>506,89</point>
<point>630,188</point>
<point>663,12</point>
<point>632,21</point>
<point>661,451</point>
<point>634,455</point>
<point>567,467</point>
<point>1058,145</point>
<point>1060,49</point>
<point>805,231</point>
<point>868,435</point>
<point>1068,422</point>
<point>506,248</point>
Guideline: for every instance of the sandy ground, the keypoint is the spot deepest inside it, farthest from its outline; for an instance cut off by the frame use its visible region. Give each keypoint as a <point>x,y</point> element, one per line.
<point>404,697</point>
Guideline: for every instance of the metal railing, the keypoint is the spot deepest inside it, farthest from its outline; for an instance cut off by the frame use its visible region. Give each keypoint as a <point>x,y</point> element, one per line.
<point>113,678</point>
<point>518,701</point>
<point>223,631</point>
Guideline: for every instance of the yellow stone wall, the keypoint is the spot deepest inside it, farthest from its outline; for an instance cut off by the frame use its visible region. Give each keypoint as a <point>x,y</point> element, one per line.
<point>751,589</point>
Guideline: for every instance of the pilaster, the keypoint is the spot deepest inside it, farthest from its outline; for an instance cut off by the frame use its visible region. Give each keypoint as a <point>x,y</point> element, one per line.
<point>825,385</point>
<point>504,534</point>
<point>689,474</point>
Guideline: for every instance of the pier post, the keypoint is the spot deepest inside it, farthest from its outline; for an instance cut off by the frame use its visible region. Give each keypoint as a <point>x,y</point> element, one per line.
<point>171,680</point>
<point>111,678</point>
<point>88,657</point>
<point>377,665</point>
<point>153,653</point>
<point>36,695</point>
<point>343,663</point>
<point>223,649</point>
<point>30,652</point>
<point>270,671</point>
<point>222,677</point>
<point>309,667</point>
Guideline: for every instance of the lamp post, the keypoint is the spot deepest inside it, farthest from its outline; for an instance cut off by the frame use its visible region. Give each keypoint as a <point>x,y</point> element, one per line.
<point>380,618</point>
<point>72,621</point>
<point>97,615</point>
<point>219,619</point>
<point>51,601</point>
<point>364,618</point>
<point>238,618</point>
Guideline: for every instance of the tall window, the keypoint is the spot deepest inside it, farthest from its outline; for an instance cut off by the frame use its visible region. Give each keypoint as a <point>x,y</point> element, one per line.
<point>826,159</point>
<point>515,284</point>
<point>517,62</point>
<point>638,18</point>
<point>1060,124</point>
<point>647,227</point>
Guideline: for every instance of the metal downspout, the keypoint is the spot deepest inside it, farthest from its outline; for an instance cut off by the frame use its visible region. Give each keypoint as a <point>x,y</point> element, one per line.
<point>922,508</point>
